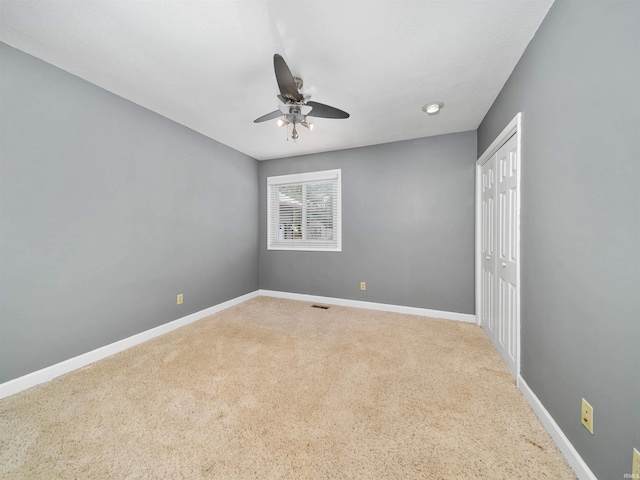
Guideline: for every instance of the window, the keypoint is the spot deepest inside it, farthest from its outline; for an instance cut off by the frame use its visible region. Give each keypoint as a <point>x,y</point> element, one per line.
<point>303,211</point>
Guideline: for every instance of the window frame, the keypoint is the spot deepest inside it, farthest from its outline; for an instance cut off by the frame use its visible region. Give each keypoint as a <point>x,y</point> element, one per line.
<point>303,178</point>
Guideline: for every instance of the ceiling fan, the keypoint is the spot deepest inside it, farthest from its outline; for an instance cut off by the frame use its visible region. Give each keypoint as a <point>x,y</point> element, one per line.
<point>296,106</point>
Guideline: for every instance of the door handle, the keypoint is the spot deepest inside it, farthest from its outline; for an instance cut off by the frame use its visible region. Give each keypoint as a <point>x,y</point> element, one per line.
<point>504,265</point>
<point>488,257</point>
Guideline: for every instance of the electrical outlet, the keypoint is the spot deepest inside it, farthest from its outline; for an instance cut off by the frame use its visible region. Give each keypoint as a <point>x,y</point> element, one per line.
<point>363,285</point>
<point>635,468</point>
<point>587,415</point>
<point>180,299</point>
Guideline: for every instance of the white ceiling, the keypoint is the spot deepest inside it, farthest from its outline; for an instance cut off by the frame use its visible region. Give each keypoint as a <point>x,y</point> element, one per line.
<point>209,64</point>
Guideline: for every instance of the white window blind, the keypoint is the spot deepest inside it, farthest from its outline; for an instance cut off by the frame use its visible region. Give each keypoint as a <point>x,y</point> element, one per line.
<point>304,211</point>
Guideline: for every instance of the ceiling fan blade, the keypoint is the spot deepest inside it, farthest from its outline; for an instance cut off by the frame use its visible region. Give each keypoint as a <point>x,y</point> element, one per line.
<point>268,116</point>
<point>325,111</point>
<point>286,83</point>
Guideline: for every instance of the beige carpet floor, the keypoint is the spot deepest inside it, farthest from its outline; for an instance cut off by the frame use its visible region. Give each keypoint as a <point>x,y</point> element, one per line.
<point>276,389</point>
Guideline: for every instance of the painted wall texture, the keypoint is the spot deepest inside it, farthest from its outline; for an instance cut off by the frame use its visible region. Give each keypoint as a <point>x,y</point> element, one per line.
<point>407,220</point>
<point>108,212</point>
<point>577,88</point>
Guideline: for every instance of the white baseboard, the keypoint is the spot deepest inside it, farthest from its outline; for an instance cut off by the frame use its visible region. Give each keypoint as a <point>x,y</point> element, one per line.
<point>49,373</point>
<point>570,453</point>
<point>423,312</point>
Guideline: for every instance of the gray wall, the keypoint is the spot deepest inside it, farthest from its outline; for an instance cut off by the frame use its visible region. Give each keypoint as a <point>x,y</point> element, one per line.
<point>108,211</point>
<point>407,219</point>
<point>577,86</point>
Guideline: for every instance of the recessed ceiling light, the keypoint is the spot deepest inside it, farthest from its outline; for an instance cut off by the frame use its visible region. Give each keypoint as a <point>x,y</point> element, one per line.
<point>433,108</point>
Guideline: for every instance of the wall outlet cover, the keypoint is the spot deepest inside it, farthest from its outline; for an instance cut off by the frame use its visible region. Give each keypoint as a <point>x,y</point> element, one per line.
<point>587,415</point>
<point>180,299</point>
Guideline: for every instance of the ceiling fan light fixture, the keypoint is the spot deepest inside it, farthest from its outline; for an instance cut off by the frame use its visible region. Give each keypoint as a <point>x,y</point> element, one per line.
<point>433,108</point>
<point>295,105</point>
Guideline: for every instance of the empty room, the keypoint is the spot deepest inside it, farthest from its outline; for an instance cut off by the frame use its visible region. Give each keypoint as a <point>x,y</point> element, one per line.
<point>320,239</point>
